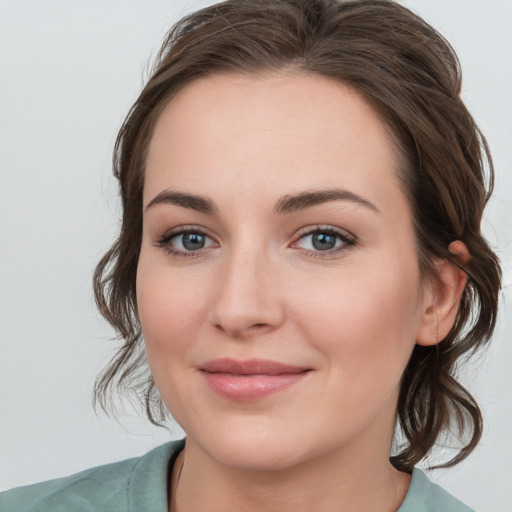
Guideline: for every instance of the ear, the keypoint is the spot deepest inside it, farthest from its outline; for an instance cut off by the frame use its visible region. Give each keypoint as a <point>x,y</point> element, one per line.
<point>442,298</point>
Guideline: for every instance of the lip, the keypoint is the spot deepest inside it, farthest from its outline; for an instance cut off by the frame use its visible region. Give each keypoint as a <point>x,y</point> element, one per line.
<point>251,379</point>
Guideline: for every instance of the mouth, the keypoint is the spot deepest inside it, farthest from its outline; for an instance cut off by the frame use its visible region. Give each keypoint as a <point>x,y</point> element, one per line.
<point>254,379</point>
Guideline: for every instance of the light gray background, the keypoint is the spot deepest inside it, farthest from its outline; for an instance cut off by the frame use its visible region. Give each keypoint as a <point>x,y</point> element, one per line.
<point>69,71</point>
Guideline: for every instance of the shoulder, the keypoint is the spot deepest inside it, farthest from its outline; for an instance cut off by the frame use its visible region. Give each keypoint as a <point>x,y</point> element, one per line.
<point>139,483</point>
<point>425,496</point>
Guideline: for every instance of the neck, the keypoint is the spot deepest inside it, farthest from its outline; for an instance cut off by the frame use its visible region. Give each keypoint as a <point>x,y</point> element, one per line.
<point>335,481</point>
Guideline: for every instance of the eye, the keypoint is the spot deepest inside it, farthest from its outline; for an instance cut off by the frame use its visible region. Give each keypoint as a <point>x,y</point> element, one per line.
<point>324,239</point>
<point>185,241</point>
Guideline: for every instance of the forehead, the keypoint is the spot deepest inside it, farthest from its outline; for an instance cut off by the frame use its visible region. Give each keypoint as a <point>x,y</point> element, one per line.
<point>264,133</point>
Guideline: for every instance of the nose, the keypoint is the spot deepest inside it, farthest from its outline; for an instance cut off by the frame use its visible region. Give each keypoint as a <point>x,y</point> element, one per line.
<point>247,294</point>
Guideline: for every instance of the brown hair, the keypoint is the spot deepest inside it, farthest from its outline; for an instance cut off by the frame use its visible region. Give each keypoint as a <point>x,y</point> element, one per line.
<point>410,74</point>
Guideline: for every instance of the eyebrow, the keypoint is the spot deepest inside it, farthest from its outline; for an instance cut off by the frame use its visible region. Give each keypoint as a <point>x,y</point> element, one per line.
<point>303,200</point>
<point>197,203</point>
<point>286,204</point>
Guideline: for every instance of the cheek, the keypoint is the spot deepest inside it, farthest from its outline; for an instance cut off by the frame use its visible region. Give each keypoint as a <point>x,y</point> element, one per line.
<point>365,320</point>
<point>168,305</point>
<point>170,309</point>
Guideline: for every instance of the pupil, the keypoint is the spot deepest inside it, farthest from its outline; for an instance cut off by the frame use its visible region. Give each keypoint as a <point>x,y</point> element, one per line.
<point>324,242</point>
<point>192,241</point>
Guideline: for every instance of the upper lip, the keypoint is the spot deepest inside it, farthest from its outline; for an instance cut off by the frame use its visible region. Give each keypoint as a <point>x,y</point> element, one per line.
<point>250,367</point>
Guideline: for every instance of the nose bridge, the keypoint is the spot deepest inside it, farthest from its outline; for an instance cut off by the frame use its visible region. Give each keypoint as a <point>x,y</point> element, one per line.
<point>246,298</point>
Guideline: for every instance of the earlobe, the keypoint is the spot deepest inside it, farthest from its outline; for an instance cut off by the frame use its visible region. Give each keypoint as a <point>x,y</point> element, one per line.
<point>441,304</point>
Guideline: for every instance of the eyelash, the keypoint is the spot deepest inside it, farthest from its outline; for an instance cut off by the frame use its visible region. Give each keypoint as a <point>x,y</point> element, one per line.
<point>165,239</point>
<point>346,238</point>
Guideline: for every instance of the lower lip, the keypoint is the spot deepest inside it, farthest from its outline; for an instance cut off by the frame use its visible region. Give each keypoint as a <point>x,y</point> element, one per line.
<point>250,387</point>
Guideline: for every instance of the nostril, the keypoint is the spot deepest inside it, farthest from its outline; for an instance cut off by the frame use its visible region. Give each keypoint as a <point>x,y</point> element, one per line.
<point>259,327</point>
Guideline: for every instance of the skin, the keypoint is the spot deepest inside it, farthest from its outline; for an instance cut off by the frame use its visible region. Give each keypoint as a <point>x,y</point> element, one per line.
<point>259,288</point>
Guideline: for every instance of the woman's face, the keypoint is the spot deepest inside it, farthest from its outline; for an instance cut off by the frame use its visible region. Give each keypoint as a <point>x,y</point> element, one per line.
<point>278,284</point>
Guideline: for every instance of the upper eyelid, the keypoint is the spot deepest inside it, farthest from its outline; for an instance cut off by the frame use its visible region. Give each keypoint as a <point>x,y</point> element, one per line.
<point>303,232</point>
<point>323,227</point>
<point>187,228</point>
<point>343,233</point>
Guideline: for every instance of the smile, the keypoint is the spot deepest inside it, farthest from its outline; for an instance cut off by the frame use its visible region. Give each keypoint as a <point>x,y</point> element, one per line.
<point>251,379</point>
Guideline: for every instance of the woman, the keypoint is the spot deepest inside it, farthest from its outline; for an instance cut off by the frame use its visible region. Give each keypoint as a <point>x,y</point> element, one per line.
<point>301,256</point>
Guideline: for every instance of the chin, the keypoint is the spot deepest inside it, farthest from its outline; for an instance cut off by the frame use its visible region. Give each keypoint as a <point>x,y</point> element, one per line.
<point>259,447</point>
<point>256,456</point>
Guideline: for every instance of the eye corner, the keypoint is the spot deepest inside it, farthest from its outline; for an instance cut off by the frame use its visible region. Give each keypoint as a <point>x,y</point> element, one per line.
<point>343,241</point>
<point>165,241</point>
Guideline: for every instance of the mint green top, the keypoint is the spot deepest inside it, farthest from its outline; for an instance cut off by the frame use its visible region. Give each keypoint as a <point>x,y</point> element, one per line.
<point>140,485</point>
